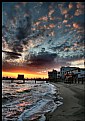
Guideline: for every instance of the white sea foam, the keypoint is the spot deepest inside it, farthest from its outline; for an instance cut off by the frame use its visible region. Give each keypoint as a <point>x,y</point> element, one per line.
<point>30,104</point>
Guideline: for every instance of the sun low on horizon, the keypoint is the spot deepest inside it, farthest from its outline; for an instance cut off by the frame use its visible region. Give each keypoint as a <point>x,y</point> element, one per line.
<point>38,37</point>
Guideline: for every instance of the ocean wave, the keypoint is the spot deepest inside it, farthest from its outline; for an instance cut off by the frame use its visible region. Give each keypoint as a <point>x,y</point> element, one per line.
<point>30,101</point>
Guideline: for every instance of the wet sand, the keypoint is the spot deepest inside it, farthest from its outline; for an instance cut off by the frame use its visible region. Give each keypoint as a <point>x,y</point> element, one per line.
<point>73,103</point>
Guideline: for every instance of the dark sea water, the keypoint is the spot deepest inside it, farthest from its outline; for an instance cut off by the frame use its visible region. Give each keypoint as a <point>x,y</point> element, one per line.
<point>29,101</point>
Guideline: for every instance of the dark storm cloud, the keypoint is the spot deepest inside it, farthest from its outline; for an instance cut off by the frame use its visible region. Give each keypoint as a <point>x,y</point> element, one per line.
<point>10,67</point>
<point>49,41</point>
<point>24,28</point>
<point>20,34</point>
<point>37,46</point>
<point>16,25</point>
<point>74,58</point>
<point>17,47</point>
<point>42,59</point>
<point>60,47</point>
<point>55,48</point>
<point>82,42</point>
<point>24,42</point>
<point>11,55</point>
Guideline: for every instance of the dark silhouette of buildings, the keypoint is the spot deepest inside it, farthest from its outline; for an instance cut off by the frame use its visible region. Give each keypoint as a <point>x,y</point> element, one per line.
<point>21,77</point>
<point>52,75</point>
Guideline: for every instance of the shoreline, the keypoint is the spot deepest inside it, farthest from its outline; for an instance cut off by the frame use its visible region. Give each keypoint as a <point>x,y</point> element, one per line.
<point>73,105</point>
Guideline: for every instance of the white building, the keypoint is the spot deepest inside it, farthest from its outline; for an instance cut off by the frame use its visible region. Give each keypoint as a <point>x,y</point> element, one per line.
<point>81,73</point>
<point>63,70</point>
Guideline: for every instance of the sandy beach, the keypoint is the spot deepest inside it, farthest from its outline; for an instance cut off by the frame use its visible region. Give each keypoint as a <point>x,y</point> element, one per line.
<point>73,103</point>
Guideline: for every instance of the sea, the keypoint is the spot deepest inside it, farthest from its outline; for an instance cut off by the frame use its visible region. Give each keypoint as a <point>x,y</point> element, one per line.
<point>28,101</point>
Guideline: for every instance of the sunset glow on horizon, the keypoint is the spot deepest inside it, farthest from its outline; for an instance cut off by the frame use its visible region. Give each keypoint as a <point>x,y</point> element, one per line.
<point>15,75</point>
<point>78,63</point>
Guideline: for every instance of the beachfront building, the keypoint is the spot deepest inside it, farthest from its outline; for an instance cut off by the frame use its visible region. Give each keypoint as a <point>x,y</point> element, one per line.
<point>58,74</point>
<point>71,75</point>
<point>81,73</point>
<point>21,77</point>
<point>52,75</point>
<point>63,71</point>
<point>74,75</point>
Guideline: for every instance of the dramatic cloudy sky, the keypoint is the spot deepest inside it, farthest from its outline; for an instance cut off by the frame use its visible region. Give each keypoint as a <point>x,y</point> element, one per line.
<point>47,35</point>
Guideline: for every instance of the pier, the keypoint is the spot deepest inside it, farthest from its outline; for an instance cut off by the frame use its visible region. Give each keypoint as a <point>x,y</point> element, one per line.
<point>27,79</point>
